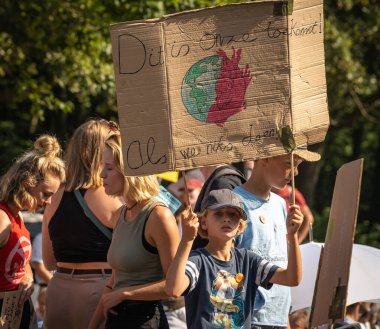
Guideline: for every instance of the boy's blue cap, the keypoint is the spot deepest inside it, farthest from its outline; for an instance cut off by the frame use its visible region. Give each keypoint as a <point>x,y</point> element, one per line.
<point>224,198</point>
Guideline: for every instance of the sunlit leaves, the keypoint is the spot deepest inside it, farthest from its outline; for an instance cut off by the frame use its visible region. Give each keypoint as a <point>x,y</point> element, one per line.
<point>286,137</point>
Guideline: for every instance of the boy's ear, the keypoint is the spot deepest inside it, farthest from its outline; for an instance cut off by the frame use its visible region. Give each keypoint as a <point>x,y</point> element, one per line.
<point>242,227</point>
<point>202,229</point>
<point>202,220</point>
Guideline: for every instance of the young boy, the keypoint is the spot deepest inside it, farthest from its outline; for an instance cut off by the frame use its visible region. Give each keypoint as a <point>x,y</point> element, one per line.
<point>266,230</point>
<point>220,281</point>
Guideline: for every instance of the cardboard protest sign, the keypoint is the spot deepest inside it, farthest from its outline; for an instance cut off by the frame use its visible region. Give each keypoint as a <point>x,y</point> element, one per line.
<point>330,293</point>
<point>11,310</point>
<point>213,86</point>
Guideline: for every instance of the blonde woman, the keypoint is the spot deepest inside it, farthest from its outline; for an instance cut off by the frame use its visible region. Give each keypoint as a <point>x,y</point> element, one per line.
<point>144,242</point>
<point>29,184</point>
<point>72,243</point>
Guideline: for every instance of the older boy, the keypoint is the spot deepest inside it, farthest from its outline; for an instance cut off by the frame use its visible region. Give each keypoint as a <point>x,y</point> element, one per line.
<point>266,230</point>
<point>219,281</point>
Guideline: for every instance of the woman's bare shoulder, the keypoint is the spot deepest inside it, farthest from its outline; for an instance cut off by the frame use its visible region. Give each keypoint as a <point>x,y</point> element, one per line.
<point>106,208</point>
<point>162,216</point>
<point>5,227</point>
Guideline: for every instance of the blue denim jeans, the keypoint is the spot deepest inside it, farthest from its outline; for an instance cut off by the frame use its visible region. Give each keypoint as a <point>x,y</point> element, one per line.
<point>137,315</point>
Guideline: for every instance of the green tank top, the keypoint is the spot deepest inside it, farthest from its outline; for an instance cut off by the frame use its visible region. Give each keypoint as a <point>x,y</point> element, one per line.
<point>132,262</point>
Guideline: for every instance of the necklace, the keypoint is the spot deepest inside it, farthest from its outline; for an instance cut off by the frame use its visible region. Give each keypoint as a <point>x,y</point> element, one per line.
<point>130,208</point>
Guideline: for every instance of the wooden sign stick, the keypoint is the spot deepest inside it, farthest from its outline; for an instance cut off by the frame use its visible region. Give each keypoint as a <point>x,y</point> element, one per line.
<point>292,177</point>
<point>186,190</point>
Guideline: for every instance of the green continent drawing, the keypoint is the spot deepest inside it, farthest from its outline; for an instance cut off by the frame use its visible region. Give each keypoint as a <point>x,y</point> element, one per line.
<point>198,88</point>
<point>214,88</point>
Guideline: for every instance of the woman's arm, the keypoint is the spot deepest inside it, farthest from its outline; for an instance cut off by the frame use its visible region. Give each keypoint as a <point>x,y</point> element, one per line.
<point>98,316</point>
<point>47,248</point>
<point>42,272</point>
<point>291,276</point>
<point>5,229</point>
<point>161,231</point>
<point>26,285</point>
<point>106,208</point>
<point>148,291</point>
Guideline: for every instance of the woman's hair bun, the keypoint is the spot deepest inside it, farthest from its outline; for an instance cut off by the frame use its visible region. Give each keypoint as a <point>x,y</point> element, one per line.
<point>47,145</point>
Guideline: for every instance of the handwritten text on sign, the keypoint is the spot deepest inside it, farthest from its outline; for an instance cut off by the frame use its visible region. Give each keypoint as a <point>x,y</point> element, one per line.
<point>153,57</point>
<point>148,155</point>
<point>213,86</point>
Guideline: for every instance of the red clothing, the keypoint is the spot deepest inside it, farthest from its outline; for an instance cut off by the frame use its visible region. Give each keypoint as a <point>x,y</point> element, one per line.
<point>286,193</point>
<point>15,254</point>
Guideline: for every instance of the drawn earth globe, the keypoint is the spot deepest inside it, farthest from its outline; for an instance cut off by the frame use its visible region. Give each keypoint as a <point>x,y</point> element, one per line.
<point>198,86</point>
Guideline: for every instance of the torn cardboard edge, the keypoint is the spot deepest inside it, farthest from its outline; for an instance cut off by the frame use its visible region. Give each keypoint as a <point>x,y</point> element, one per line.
<point>280,8</point>
<point>330,292</point>
<point>182,155</point>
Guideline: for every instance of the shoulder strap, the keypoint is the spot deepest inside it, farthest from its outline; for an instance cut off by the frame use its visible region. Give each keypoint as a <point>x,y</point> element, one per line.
<point>152,206</point>
<point>104,229</point>
<point>145,243</point>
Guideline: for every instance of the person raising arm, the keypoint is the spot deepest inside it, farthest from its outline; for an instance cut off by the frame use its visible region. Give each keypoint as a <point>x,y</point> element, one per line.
<point>220,281</point>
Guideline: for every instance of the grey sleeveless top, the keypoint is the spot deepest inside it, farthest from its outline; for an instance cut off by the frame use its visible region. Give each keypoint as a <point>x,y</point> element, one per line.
<point>132,258</point>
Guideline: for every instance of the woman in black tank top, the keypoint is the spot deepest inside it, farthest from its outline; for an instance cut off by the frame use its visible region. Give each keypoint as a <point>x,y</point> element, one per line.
<point>143,245</point>
<point>74,244</point>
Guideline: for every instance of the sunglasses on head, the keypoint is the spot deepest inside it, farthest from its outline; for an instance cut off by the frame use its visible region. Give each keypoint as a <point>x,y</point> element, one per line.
<point>112,125</point>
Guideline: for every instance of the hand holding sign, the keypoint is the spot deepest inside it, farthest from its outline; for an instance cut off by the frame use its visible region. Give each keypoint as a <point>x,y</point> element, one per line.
<point>190,224</point>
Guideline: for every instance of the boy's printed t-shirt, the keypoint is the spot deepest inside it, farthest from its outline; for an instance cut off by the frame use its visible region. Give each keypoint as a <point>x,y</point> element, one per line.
<point>266,236</point>
<point>221,293</point>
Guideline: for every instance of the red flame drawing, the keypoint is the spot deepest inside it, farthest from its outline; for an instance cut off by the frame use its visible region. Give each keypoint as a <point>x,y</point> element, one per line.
<point>231,87</point>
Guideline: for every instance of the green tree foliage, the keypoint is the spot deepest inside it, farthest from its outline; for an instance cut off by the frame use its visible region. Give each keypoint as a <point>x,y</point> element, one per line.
<point>55,59</point>
<point>56,64</point>
<point>56,71</point>
<point>352,46</point>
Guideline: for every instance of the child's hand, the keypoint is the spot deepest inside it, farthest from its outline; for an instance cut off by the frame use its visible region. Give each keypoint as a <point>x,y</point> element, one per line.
<point>294,219</point>
<point>190,223</point>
